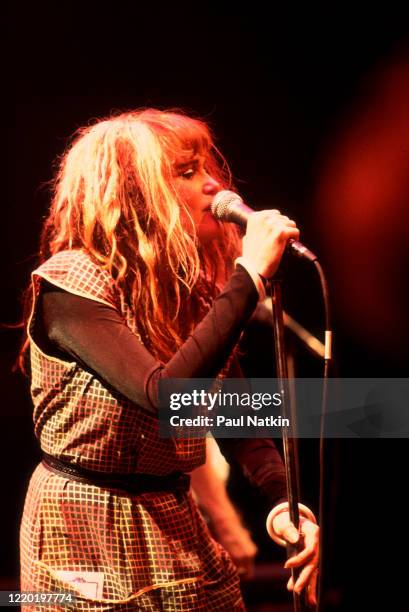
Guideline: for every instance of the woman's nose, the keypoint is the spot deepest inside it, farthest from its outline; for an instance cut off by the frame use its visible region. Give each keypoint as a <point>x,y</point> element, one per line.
<point>211,186</point>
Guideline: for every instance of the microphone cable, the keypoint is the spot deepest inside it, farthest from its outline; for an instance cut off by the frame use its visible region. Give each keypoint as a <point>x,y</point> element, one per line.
<point>324,401</point>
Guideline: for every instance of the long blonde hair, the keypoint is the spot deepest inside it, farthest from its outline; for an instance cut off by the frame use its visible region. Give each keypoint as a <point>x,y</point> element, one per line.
<point>114,197</point>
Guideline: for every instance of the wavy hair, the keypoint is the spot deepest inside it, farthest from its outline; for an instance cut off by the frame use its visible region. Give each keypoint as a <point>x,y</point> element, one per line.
<point>114,197</point>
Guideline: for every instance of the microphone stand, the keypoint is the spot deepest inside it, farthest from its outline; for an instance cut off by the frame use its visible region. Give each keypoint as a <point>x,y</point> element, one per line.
<point>288,434</point>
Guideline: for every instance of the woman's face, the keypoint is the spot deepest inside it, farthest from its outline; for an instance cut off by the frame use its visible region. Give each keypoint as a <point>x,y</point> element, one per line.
<point>197,189</point>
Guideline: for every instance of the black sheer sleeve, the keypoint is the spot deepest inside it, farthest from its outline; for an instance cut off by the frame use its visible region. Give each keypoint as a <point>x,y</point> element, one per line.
<point>97,337</point>
<point>260,462</point>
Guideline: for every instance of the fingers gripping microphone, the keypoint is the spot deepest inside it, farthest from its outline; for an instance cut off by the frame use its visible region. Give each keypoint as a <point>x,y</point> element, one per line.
<point>228,206</point>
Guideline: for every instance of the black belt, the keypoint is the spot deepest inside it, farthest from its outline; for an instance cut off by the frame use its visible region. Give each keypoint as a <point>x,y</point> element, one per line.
<point>131,483</point>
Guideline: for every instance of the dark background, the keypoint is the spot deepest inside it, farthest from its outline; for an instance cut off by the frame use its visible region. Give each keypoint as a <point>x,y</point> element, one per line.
<point>278,86</point>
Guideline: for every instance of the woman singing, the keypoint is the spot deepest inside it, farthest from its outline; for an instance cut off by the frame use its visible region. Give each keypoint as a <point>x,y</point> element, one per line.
<point>137,282</point>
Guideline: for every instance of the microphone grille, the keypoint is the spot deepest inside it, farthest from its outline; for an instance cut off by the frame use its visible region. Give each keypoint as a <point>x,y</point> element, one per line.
<point>222,202</point>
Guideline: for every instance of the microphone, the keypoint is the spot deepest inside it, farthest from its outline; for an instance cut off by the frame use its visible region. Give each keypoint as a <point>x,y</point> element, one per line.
<point>228,206</point>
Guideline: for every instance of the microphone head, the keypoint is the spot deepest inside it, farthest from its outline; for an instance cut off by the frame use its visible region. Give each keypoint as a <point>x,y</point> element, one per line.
<point>222,202</point>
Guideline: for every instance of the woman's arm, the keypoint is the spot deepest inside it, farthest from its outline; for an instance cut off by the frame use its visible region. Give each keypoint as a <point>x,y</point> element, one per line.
<point>209,487</point>
<point>97,337</point>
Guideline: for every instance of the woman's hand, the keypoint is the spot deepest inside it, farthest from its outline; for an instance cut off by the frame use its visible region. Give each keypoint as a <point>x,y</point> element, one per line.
<point>307,558</point>
<point>267,234</point>
<point>236,539</point>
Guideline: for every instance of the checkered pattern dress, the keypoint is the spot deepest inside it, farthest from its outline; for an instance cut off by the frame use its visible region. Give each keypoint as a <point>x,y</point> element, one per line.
<point>153,550</point>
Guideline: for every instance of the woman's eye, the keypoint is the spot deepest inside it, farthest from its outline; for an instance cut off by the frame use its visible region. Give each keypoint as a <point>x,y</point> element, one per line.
<point>188,174</point>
